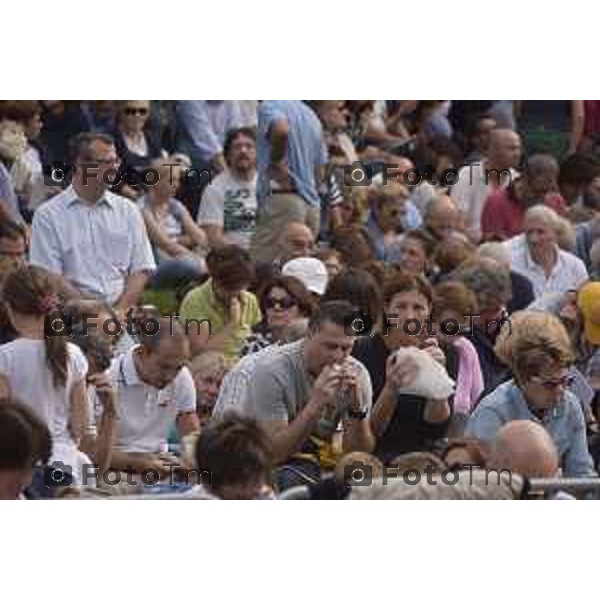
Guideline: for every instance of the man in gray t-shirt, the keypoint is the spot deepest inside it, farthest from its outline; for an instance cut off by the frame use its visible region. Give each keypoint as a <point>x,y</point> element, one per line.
<point>302,391</point>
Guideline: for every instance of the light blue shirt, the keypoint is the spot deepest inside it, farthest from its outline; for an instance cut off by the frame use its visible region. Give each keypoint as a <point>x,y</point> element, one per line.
<point>8,196</point>
<point>203,125</point>
<point>305,146</point>
<point>95,247</point>
<point>565,424</point>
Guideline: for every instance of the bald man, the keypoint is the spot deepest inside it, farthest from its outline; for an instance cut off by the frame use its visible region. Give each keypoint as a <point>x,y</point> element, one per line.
<point>442,217</point>
<point>525,448</point>
<point>295,241</point>
<point>476,182</point>
<point>154,388</point>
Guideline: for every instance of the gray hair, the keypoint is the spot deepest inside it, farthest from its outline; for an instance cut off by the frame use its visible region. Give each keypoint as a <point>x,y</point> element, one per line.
<point>496,251</point>
<point>541,164</point>
<point>485,279</point>
<point>545,215</point>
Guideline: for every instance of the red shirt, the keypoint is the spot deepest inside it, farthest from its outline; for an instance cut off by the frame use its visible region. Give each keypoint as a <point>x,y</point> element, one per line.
<point>503,214</point>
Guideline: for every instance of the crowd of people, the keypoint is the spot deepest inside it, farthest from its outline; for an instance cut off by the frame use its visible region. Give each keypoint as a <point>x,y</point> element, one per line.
<point>299,299</point>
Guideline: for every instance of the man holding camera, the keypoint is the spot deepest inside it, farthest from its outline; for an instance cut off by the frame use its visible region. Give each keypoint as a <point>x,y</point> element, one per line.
<point>303,391</point>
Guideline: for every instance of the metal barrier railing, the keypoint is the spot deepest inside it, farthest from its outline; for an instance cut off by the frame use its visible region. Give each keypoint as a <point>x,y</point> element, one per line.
<point>580,487</point>
<point>587,486</point>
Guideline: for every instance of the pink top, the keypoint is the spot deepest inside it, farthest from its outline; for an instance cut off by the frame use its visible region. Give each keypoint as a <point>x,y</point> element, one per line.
<point>469,382</point>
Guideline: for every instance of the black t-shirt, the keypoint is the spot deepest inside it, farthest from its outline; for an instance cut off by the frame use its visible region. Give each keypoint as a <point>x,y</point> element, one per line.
<point>407,430</point>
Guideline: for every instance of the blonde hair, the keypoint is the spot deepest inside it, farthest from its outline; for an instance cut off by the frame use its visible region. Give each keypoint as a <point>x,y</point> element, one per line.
<point>538,329</point>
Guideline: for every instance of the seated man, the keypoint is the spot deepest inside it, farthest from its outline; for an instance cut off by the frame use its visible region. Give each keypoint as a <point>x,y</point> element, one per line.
<point>110,257</point>
<point>153,389</point>
<point>504,209</point>
<point>539,393</point>
<point>526,448</point>
<point>300,392</point>
<point>295,241</point>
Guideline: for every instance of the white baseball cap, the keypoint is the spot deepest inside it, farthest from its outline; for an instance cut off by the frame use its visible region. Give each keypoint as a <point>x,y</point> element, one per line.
<point>310,271</point>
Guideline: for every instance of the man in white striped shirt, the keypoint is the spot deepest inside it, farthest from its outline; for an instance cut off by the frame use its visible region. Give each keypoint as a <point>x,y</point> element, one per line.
<point>94,238</point>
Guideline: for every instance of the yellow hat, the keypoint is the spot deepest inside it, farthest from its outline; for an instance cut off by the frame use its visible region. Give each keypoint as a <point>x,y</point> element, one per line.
<point>588,301</point>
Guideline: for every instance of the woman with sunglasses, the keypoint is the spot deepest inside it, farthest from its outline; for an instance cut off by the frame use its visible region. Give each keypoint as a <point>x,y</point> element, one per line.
<point>283,301</point>
<point>136,145</point>
<point>539,392</point>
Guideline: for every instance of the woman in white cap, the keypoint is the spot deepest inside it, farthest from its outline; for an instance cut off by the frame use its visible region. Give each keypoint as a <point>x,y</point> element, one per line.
<point>312,272</point>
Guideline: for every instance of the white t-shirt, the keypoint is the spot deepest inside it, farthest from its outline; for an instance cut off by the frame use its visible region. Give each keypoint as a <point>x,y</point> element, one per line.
<point>231,204</point>
<point>145,412</point>
<point>23,363</point>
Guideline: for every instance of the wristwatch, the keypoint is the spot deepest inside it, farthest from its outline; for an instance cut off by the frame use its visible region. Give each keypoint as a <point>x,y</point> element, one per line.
<point>357,414</point>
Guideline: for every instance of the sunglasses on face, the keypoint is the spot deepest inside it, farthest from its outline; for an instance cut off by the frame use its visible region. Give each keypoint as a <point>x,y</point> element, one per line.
<point>284,303</point>
<point>136,111</point>
<point>552,384</point>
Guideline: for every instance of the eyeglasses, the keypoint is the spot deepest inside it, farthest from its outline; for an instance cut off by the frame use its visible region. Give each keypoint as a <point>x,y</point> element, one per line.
<point>135,111</point>
<point>552,384</point>
<point>284,303</point>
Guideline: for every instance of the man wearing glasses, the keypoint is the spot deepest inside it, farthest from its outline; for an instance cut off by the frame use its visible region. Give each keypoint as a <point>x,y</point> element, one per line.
<point>539,392</point>
<point>94,238</point>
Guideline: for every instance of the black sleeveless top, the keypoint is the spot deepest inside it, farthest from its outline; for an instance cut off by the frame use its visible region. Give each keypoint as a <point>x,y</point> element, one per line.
<point>407,430</point>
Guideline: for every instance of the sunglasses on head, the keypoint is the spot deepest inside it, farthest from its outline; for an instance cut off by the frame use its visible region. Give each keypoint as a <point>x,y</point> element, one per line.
<point>552,384</point>
<point>284,303</point>
<point>136,111</point>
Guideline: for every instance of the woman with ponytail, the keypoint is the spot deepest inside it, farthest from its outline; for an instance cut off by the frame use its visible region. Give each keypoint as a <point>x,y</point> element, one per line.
<point>47,373</point>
